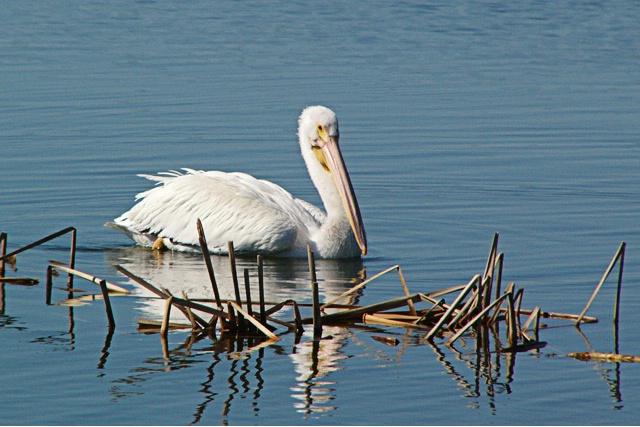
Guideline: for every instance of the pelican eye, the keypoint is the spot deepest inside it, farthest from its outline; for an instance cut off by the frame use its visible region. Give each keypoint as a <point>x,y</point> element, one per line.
<point>322,133</point>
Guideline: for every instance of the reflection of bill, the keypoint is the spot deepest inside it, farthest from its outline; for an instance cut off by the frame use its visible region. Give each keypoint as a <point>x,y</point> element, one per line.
<point>284,279</point>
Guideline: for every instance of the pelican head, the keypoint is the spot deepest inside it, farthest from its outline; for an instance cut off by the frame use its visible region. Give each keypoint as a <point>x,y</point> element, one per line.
<point>319,136</point>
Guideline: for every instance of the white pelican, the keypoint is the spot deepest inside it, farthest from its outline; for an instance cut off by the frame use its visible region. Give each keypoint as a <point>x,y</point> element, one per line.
<point>258,216</point>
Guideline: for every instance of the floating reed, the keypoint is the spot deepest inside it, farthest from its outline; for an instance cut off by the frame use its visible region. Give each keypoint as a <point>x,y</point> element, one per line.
<point>374,319</point>
<point>149,325</point>
<point>22,281</point>
<point>604,357</point>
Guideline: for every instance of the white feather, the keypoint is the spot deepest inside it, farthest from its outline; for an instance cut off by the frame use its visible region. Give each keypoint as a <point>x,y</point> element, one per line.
<point>257,215</point>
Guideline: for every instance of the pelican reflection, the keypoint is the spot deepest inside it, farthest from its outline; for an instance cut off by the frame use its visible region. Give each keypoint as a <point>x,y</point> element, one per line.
<point>313,360</point>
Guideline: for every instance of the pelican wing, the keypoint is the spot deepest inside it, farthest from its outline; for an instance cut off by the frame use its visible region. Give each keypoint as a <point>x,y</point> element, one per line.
<point>258,216</point>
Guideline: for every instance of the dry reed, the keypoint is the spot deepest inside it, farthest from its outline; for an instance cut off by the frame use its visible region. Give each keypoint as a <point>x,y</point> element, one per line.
<point>478,305</point>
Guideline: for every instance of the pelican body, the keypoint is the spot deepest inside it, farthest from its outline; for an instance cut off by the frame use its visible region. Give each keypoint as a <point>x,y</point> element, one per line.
<point>259,216</point>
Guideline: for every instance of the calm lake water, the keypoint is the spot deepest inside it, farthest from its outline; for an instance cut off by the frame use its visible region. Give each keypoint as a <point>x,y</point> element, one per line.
<point>457,121</point>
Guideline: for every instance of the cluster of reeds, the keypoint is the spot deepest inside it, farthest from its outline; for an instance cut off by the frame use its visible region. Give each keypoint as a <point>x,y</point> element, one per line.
<point>479,306</point>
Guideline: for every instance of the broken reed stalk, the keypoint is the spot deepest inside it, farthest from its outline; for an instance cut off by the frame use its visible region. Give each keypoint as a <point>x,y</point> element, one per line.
<point>438,305</point>
<point>462,312</point>
<point>512,332</point>
<point>453,306</point>
<point>489,266</point>
<point>604,357</point>
<point>255,323</point>
<point>58,265</point>
<point>234,272</point>
<point>356,313</point>
<point>191,315</point>
<point>616,307</point>
<point>105,287</point>
<point>376,319</point>
<point>247,291</point>
<point>554,315</point>
<point>150,325</point>
<point>358,287</point>
<point>232,324</point>
<point>278,306</point>
<point>486,284</point>
<point>72,250</point>
<point>163,295</point>
<point>484,294</point>
<point>517,303</point>
<point>619,256</point>
<point>404,317</point>
<point>107,304</point>
<point>3,251</point>
<point>317,319</point>
<point>297,325</point>
<point>21,281</point>
<point>498,281</point>
<point>499,308</point>
<point>445,291</point>
<point>49,285</point>
<point>476,318</point>
<point>467,309</point>
<point>297,318</point>
<point>263,316</point>
<point>186,309</point>
<point>290,326</point>
<point>207,260</point>
<point>534,318</point>
<point>412,308</point>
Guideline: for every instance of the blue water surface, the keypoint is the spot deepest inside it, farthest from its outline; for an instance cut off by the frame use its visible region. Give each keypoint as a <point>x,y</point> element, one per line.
<point>457,120</point>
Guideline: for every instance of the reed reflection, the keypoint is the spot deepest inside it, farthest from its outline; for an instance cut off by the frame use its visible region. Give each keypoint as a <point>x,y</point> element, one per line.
<point>285,279</point>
